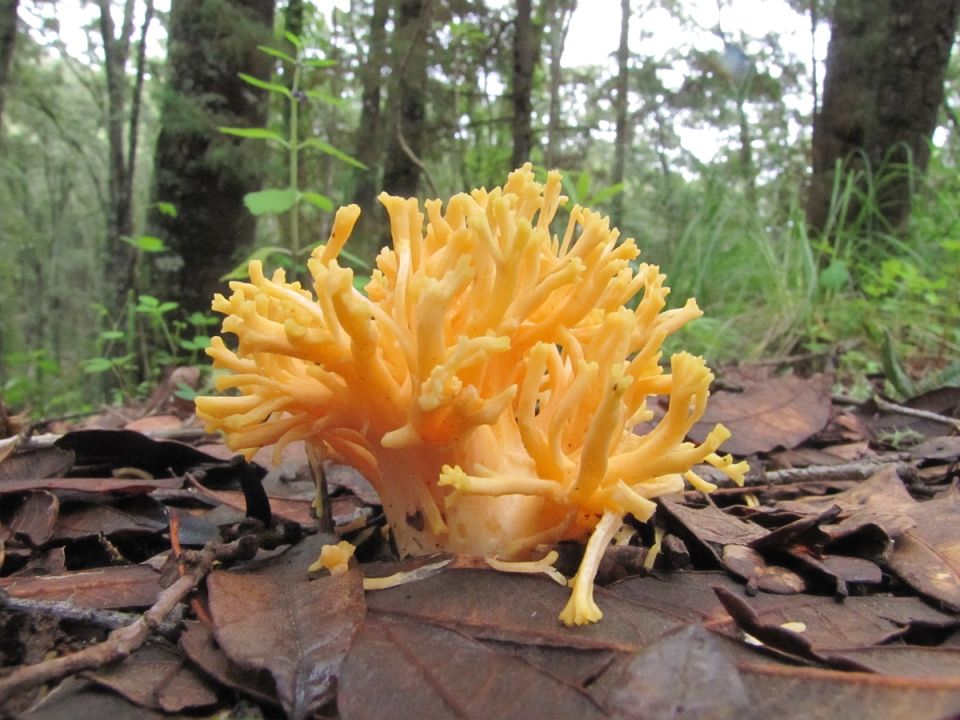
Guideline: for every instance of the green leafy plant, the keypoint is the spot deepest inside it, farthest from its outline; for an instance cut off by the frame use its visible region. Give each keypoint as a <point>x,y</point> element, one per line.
<point>289,199</point>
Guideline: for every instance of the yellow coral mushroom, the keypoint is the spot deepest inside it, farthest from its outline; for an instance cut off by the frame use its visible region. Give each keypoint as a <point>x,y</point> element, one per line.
<point>488,381</point>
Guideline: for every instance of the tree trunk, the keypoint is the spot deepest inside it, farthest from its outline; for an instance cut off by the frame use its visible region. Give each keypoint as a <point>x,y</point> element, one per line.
<point>559,25</point>
<point>8,38</point>
<point>204,173</point>
<point>525,46</point>
<point>369,138</point>
<point>622,105</point>
<point>407,103</point>
<point>116,51</point>
<point>883,88</point>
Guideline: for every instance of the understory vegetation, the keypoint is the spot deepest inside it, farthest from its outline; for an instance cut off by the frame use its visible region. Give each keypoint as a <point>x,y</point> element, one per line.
<point>876,304</point>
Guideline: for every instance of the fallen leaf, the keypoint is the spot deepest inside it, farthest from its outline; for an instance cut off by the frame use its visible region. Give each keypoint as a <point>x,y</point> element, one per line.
<point>110,449</point>
<point>156,677</point>
<point>198,643</point>
<point>34,520</point>
<point>747,563</point>
<point>77,698</point>
<point>138,515</point>
<point>943,447</point>
<point>927,557</point>
<point>401,668</point>
<point>922,539</point>
<point>109,588</point>
<point>826,623</point>
<point>116,486</point>
<point>36,464</point>
<point>688,675</point>
<point>802,693</point>
<point>272,616</point>
<point>523,609</point>
<point>710,526</point>
<point>768,413</point>
<point>905,660</point>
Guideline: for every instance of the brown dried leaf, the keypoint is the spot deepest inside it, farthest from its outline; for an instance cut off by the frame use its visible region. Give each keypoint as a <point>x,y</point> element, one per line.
<point>904,660</point>
<point>198,643</point>
<point>110,449</point>
<point>521,609</point>
<point>75,699</point>
<point>157,677</point>
<point>273,617</point>
<point>116,486</point>
<point>768,413</point>
<point>139,515</point>
<point>747,563</point>
<point>401,668</point>
<point>710,526</point>
<point>819,623</point>
<point>107,588</point>
<point>35,519</point>
<point>689,675</point>
<point>942,447</point>
<point>797,693</point>
<point>36,464</point>
<point>928,556</point>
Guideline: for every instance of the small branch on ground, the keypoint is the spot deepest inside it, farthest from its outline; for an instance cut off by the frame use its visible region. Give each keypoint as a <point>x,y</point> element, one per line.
<point>914,412</point>
<point>126,639</point>
<point>818,473</point>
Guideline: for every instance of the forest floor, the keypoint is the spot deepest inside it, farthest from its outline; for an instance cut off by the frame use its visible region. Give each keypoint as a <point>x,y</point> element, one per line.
<point>146,573</point>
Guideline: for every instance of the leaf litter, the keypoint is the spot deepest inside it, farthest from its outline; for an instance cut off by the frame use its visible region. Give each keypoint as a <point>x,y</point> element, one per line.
<point>801,595</point>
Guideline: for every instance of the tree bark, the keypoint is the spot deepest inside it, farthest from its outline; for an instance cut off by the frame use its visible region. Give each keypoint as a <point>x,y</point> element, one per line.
<point>369,138</point>
<point>883,88</point>
<point>622,106</point>
<point>204,173</point>
<point>559,25</point>
<point>8,39</point>
<point>116,51</point>
<point>525,47</point>
<point>402,164</point>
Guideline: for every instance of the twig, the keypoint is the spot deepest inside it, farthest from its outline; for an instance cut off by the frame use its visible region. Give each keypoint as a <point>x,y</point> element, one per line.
<point>126,639</point>
<point>65,610</point>
<point>819,473</point>
<point>914,412</point>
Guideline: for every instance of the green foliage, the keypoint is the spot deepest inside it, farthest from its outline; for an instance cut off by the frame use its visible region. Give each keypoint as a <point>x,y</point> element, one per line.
<point>157,335</point>
<point>288,200</point>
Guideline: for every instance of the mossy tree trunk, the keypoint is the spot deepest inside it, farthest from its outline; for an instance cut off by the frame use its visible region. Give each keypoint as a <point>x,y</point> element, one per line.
<point>204,173</point>
<point>882,92</point>
<point>369,137</point>
<point>622,106</point>
<point>559,26</point>
<point>407,101</point>
<point>8,37</point>
<point>526,44</point>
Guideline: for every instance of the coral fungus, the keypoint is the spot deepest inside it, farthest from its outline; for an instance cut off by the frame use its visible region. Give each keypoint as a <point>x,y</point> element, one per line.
<point>488,380</point>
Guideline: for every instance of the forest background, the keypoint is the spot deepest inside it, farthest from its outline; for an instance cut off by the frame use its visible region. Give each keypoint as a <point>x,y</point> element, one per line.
<point>140,171</point>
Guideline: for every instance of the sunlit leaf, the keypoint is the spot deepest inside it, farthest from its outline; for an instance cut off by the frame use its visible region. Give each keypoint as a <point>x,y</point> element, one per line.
<point>329,149</point>
<point>273,201</point>
<point>276,53</point>
<point>319,62</point>
<point>318,200</point>
<point>146,243</point>
<point>166,208</point>
<point>255,133</point>
<point>263,84</point>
